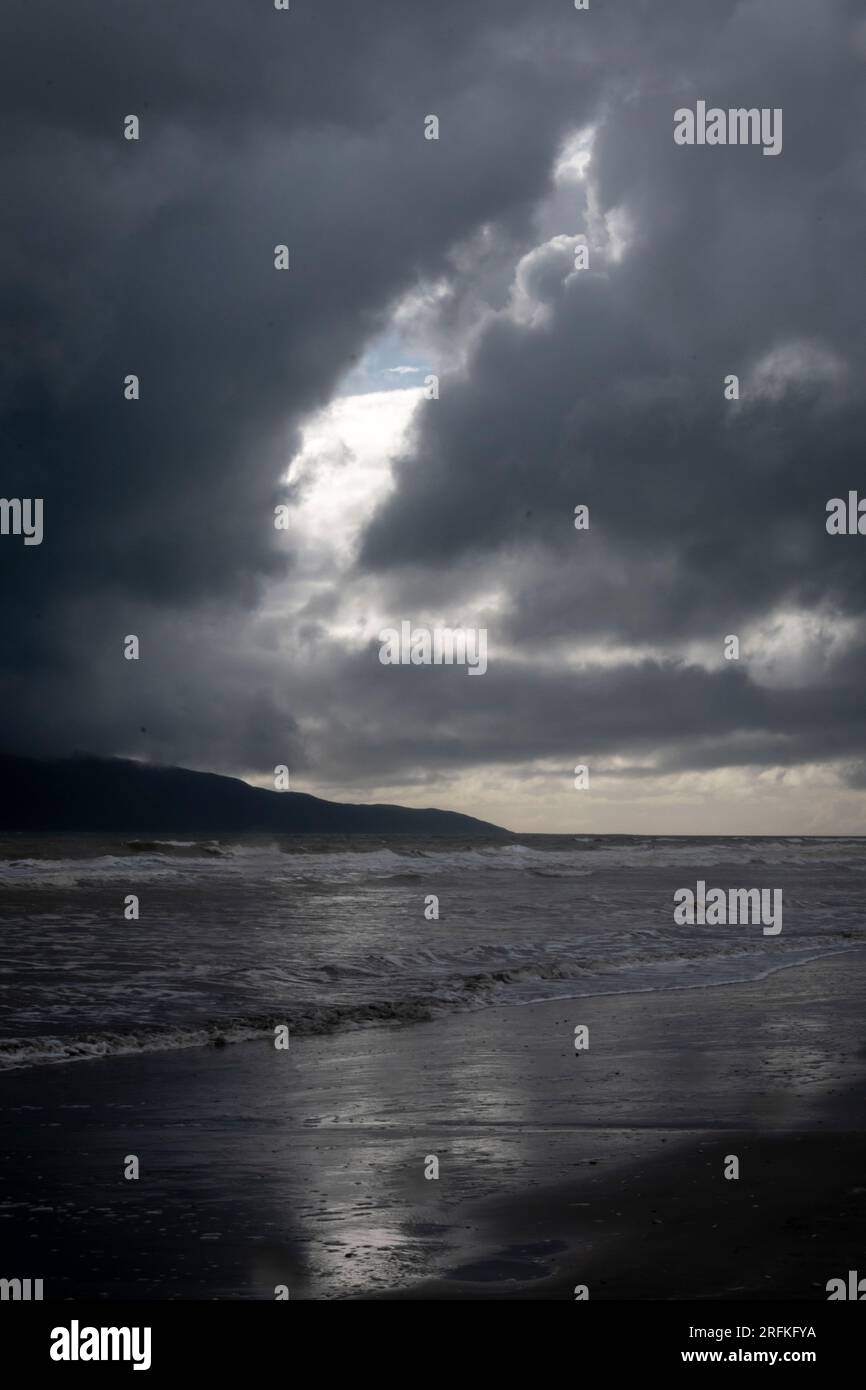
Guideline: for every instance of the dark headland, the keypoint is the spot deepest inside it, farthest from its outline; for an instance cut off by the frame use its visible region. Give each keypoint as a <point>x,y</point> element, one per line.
<point>89,794</point>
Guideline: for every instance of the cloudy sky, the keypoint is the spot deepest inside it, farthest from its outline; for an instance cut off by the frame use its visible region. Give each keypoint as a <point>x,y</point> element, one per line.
<point>558,387</point>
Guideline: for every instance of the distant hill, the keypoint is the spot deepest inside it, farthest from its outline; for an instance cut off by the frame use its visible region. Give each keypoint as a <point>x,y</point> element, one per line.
<point>113,794</point>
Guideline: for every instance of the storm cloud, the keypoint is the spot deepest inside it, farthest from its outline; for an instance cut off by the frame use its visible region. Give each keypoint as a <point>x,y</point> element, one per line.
<point>558,386</point>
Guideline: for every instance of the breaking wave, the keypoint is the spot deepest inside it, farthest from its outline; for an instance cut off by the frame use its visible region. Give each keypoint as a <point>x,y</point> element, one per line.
<point>294,860</point>
<point>235,936</point>
<point>460,993</point>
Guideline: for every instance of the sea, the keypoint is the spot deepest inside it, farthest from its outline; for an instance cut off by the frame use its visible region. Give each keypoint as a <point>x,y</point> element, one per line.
<point>234,937</point>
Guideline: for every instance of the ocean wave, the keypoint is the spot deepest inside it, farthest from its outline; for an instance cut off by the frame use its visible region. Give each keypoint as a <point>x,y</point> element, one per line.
<point>176,847</point>
<point>507,985</point>
<point>295,860</point>
<point>311,1021</point>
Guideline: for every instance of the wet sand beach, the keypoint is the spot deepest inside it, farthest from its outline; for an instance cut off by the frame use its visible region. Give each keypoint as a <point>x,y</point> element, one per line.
<point>306,1168</point>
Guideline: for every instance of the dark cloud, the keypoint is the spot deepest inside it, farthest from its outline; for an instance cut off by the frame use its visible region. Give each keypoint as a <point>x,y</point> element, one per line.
<point>704,513</point>
<point>156,258</point>
<point>676,716</point>
<point>603,387</point>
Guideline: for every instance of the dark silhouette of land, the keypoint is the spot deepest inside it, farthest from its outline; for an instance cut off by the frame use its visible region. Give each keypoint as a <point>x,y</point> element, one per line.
<point>87,794</point>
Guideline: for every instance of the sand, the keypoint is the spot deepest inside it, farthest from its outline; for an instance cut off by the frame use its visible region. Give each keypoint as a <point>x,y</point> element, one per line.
<point>606,1168</point>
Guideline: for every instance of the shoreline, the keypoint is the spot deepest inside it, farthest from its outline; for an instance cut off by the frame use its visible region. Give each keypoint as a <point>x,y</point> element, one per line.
<point>408,1013</point>
<point>306,1168</point>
